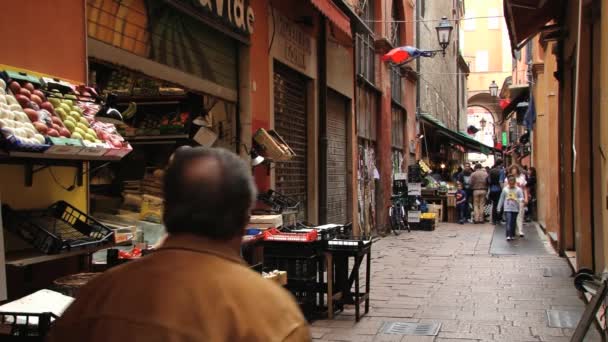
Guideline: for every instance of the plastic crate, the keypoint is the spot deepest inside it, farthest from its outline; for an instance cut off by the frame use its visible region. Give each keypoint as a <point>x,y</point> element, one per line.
<point>24,326</point>
<point>424,224</point>
<point>278,202</point>
<point>348,245</point>
<point>300,269</point>
<point>11,143</point>
<point>273,234</point>
<point>61,227</point>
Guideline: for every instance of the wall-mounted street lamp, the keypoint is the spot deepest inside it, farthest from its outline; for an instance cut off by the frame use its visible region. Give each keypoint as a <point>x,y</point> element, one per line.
<point>404,54</point>
<point>444,33</point>
<point>494,89</point>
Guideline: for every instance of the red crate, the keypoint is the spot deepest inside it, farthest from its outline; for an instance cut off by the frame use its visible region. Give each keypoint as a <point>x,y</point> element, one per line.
<point>275,235</point>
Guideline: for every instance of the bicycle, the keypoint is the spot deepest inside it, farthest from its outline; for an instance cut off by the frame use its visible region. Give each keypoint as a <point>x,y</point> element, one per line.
<point>398,215</point>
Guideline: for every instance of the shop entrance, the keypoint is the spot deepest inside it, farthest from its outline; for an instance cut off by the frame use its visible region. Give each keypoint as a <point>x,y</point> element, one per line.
<point>337,190</point>
<point>291,123</point>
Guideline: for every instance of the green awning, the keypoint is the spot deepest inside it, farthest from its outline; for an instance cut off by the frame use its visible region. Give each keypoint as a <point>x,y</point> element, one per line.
<point>459,137</point>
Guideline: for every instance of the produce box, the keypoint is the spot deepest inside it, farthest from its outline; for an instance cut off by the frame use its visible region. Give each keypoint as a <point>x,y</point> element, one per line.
<point>274,146</point>
<point>65,146</point>
<point>119,152</point>
<point>265,221</point>
<point>151,209</point>
<point>94,149</point>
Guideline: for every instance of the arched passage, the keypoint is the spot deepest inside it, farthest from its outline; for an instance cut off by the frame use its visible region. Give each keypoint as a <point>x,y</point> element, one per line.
<point>487,101</point>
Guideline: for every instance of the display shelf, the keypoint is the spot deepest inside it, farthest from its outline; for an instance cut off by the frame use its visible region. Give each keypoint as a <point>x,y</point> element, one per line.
<point>157,137</point>
<point>151,99</point>
<point>31,256</point>
<point>45,160</point>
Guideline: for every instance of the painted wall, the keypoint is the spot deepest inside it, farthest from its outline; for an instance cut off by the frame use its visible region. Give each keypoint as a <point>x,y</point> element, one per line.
<point>38,51</point>
<point>494,41</point>
<point>602,193</point>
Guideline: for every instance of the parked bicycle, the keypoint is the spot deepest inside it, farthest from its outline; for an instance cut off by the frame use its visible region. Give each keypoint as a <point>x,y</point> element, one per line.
<point>398,215</point>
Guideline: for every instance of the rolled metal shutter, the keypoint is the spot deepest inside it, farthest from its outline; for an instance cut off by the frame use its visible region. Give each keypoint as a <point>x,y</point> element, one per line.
<point>291,123</point>
<point>337,191</point>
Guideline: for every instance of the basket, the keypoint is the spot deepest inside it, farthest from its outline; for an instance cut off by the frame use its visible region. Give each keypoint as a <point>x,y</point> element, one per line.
<point>276,235</point>
<point>71,284</point>
<point>61,227</point>
<point>25,326</point>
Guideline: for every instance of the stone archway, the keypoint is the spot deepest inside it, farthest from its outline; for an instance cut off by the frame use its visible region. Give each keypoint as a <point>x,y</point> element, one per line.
<point>487,101</point>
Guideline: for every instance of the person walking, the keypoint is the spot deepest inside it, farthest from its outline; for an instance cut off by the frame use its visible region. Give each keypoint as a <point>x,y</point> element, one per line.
<point>509,203</point>
<point>531,186</point>
<point>195,287</point>
<point>479,184</point>
<point>495,186</point>
<point>465,179</point>
<point>461,204</point>
<point>520,181</point>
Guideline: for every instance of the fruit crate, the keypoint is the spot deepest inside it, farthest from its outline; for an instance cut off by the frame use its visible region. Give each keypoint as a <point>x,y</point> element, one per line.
<point>61,227</point>
<point>10,143</point>
<point>424,224</point>
<point>25,326</point>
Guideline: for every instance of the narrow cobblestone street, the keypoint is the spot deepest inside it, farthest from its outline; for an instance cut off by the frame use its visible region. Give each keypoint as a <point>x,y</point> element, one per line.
<point>448,276</point>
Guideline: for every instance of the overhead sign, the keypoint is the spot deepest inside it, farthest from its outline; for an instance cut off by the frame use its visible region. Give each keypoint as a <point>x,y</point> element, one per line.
<point>237,14</point>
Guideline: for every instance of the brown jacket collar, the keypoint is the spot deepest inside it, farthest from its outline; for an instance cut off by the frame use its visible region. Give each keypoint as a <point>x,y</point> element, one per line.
<point>201,244</point>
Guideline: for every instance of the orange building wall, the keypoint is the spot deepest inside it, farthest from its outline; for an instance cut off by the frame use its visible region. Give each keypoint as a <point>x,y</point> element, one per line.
<point>45,36</point>
<point>52,46</point>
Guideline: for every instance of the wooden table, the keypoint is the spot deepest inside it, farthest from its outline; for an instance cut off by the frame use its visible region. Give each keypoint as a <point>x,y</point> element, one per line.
<point>338,271</point>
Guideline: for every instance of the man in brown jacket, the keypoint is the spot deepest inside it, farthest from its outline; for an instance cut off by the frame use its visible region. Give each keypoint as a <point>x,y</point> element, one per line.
<point>196,286</point>
<point>479,184</point>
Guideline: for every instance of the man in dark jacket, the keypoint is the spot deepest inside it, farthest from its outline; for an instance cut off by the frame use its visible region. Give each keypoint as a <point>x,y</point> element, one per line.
<point>495,185</point>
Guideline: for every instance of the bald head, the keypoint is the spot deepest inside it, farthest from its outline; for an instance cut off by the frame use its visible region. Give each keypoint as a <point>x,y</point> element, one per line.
<point>207,191</point>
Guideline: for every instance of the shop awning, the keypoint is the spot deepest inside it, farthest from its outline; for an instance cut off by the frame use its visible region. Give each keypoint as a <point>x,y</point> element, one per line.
<point>526,18</point>
<point>518,94</point>
<point>333,14</point>
<point>458,137</point>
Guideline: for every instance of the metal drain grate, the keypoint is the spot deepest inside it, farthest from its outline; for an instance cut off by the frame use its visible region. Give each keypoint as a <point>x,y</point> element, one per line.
<point>414,329</point>
<point>563,319</point>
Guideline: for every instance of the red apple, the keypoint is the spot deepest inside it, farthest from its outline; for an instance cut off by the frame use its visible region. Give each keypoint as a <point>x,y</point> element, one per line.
<point>64,132</point>
<point>36,98</point>
<point>23,100</point>
<point>48,106</point>
<point>39,93</point>
<point>56,127</point>
<point>52,133</point>
<point>26,92</point>
<point>15,87</point>
<point>57,121</point>
<point>41,127</point>
<point>32,114</point>
<point>29,86</point>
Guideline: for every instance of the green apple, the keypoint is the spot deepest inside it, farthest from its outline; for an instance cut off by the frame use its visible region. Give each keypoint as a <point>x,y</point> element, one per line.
<point>79,131</point>
<point>76,135</point>
<point>82,126</point>
<point>68,102</point>
<point>62,113</point>
<point>92,132</point>
<point>74,114</point>
<point>70,96</point>
<point>84,121</point>
<point>65,107</point>
<point>56,102</point>
<point>69,124</point>
<point>89,137</point>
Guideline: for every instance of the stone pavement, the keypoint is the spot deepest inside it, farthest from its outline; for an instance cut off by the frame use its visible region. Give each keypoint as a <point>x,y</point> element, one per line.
<point>448,276</point>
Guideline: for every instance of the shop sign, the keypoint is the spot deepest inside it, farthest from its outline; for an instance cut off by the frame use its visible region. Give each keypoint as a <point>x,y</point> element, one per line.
<point>237,14</point>
<point>294,44</point>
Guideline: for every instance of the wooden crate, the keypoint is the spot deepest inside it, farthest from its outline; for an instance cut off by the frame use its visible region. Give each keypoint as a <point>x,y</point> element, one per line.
<point>274,146</point>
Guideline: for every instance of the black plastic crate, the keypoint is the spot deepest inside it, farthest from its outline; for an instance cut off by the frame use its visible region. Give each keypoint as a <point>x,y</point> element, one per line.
<point>298,269</point>
<point>22,326</point>
<point>278,202</point>
<point>348,245</point>
<point>60,227</point>
<point>293,249</point>
<point>424,224</point>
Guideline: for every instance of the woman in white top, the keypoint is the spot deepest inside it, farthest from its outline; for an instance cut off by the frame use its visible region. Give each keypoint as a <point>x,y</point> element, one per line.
<point>521,182</point>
